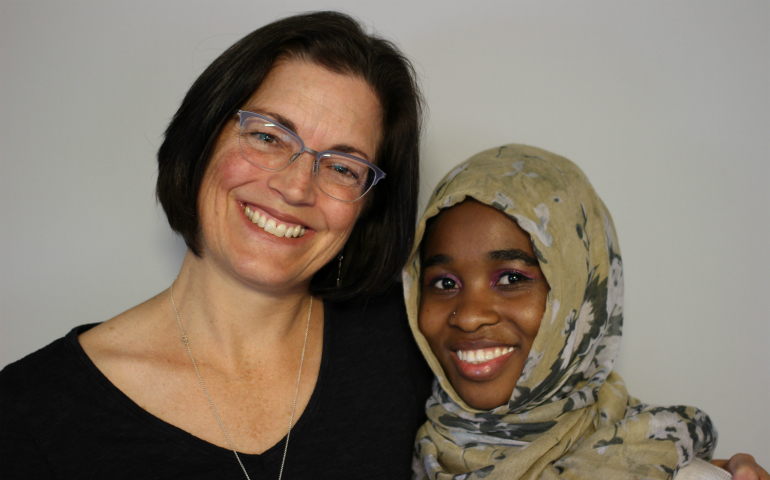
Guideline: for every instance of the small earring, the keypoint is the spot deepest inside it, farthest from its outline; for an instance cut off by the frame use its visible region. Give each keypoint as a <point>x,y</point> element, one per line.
<point>339,270</point>
<point>454,313</point>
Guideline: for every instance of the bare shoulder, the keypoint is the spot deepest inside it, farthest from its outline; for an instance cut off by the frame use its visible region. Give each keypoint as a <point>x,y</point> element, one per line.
<point>124,343</point>
<point>142,347</point>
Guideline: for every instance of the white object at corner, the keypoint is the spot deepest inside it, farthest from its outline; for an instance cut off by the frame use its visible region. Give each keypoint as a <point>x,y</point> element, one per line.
<point>702,470</point>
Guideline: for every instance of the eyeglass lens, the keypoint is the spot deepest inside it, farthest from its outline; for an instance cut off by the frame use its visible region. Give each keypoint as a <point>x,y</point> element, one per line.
<point>273,147</point>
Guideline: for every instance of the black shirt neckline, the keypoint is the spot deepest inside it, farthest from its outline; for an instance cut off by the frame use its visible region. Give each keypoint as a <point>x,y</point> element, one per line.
<point>272,455</point>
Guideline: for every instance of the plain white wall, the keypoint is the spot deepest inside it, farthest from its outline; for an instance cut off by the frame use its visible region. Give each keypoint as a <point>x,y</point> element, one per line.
<point>665,105</point>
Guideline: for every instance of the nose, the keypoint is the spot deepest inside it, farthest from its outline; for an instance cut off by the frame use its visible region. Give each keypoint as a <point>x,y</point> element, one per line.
<point>473,310</point>
<point>295,182</point>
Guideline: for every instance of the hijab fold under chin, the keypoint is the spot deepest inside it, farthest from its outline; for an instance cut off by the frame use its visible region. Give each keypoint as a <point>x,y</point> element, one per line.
<point>569,415</point>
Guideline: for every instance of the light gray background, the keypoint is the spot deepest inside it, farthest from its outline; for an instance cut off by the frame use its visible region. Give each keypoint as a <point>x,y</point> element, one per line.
<point>665,106</point>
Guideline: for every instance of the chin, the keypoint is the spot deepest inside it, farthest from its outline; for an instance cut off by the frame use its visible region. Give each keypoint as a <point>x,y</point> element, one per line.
<point>264,273</point>
<point>483,397</point>
<point>485,404</point>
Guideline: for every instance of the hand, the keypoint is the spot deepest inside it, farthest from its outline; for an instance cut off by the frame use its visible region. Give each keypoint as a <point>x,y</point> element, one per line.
<point>743,467</point>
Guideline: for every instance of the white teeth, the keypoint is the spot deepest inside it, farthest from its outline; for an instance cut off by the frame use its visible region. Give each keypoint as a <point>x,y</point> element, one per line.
<point>271,226</point>
<point>482,355</point>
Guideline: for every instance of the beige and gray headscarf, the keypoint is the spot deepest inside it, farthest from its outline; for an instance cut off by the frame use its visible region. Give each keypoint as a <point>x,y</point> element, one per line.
<point>569,415</point>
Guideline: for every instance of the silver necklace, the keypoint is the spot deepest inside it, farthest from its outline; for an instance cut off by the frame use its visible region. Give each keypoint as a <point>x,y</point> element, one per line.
<point>205,390</point>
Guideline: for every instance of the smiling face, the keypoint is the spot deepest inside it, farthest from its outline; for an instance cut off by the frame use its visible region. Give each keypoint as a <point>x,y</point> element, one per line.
<point>483,296</point>
<point>329,111</point>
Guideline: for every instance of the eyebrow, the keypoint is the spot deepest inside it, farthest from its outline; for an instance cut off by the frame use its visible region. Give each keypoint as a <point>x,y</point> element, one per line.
<point>434,260</point>
<point>512,255</point>
<point>342,147</point>
<point>509,255</point>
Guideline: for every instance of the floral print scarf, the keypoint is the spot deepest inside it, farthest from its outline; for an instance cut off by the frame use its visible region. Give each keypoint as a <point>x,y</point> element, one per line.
<point>569,415</point>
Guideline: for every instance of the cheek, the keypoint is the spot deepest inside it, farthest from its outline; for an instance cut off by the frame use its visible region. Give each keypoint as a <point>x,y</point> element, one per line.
<point>233,170</point>
<point>223,173</point>
<point>340,217</point>
<point>530,322</point>
<point>538,309</point>
<point>429,323</point>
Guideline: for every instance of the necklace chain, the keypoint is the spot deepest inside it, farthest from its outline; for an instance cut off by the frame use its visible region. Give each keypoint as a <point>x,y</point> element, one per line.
<point>205,390</point>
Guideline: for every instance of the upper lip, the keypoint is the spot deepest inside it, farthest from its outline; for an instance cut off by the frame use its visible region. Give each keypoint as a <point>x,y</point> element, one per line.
<point>274,213</point>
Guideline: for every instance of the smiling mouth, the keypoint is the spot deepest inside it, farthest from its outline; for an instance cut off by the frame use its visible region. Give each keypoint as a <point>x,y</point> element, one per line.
<point>483,355</point>
<point>273,227</point>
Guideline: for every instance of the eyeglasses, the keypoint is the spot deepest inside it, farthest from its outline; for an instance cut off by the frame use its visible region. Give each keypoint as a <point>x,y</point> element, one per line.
<point>269,145</point>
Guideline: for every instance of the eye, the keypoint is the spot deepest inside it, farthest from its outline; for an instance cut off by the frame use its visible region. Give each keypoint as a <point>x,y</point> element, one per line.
<point>343,170</point>
<point>512,278</point>
<point>444,283</point>
<point>264,137</point>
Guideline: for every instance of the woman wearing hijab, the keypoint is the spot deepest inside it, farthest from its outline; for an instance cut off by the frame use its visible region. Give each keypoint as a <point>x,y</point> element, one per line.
<point>514,293</point>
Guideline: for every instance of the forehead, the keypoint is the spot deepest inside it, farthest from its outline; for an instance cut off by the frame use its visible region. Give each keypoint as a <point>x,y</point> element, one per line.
<point>307,93</point>
<point>472,229</point>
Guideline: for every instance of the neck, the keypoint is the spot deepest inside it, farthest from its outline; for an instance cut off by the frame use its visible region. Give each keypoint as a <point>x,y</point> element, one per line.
<point>228,318</point>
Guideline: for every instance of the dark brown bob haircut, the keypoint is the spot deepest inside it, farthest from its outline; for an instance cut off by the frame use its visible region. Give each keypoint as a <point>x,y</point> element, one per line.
<point>379,244</point>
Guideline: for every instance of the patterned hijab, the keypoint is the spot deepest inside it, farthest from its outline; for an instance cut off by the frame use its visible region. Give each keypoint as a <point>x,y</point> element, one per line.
<point>569,415</point>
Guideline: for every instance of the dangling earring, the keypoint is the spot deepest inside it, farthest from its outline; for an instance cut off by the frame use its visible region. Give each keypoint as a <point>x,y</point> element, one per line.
<point>339,269</point>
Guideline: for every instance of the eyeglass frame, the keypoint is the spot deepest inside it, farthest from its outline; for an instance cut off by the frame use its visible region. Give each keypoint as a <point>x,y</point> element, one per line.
<point>378,173</point>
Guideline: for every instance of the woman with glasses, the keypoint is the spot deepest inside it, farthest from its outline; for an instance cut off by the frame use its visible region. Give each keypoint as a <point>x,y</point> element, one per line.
<point>291,171</point>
